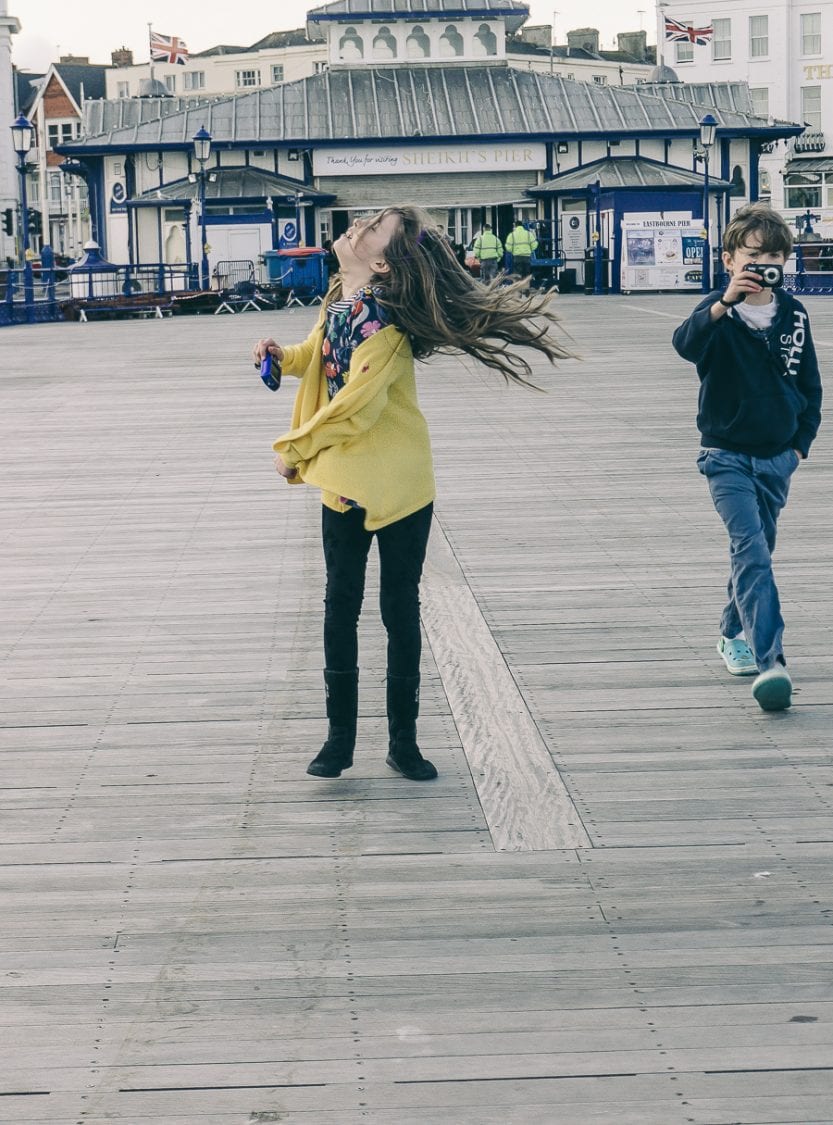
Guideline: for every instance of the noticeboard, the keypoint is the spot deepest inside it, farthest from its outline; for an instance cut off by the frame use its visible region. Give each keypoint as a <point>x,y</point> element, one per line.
<point>661,254</point>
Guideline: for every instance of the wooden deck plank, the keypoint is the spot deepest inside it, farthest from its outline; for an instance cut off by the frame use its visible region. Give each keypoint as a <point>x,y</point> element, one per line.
<point>189,919</point>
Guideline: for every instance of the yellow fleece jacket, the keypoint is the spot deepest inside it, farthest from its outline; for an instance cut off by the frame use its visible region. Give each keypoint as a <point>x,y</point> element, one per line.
<point>369,443</point>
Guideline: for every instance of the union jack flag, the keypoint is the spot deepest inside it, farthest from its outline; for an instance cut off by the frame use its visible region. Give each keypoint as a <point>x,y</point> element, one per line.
<point>168,48</point>
<point>678,32</point>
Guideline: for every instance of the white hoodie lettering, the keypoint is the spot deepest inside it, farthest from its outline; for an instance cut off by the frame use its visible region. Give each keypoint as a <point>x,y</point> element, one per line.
<point>793,346</point>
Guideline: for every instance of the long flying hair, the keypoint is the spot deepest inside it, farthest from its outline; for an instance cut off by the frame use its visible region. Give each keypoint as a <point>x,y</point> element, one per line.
<point>430,297</point>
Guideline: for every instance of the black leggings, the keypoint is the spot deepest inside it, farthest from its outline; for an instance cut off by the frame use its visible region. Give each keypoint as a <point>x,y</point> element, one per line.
<point>402,547</point>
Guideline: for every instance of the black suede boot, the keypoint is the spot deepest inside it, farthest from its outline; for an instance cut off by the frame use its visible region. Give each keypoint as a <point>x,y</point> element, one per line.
<point>403,707</point>
<point>342,708</point>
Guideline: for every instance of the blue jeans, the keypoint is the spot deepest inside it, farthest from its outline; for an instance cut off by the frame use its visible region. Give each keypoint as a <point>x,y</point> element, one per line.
<point>749,493</point>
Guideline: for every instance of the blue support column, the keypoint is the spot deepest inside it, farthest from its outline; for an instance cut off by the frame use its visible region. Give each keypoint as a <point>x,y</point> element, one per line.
<point>706,272</point>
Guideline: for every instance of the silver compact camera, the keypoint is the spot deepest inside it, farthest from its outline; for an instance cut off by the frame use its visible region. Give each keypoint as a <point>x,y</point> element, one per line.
<point>772,277</point>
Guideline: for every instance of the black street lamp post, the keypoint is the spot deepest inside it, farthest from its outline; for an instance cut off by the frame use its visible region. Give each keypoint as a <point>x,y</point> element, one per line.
<point>202,150</point>
<point>23,136</point>
<point>708,129</point>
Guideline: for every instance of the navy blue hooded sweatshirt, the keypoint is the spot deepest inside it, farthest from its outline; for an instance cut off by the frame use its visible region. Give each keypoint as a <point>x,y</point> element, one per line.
<point>760,392</point>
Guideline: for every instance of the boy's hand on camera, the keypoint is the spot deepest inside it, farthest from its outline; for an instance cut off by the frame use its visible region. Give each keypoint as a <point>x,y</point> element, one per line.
<point>284,470</point>
<point>267,345</point>
<point>741,285</point>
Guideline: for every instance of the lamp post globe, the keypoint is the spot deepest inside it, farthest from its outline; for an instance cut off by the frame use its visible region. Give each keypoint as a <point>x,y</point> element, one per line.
<point>708,132</point>
<point>202,151</point>
<point>23,136</point>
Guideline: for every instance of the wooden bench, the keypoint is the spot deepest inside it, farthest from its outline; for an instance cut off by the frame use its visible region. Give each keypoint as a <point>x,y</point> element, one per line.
<point>145,304</point>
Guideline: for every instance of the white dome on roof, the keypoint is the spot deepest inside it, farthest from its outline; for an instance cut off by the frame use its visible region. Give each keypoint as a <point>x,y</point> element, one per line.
<point>663,73</point>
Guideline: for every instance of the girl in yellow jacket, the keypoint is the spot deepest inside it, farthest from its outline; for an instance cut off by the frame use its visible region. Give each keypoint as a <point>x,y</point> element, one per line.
<point>359,435</point>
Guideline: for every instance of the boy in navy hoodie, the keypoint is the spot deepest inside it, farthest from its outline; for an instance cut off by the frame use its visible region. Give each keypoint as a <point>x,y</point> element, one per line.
<point>759,410</point>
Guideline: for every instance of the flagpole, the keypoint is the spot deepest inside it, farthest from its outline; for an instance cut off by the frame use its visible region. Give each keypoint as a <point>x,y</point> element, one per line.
<point>661,6</point>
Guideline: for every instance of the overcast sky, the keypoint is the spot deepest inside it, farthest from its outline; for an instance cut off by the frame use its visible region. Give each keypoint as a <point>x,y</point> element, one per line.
<point>96,27</point>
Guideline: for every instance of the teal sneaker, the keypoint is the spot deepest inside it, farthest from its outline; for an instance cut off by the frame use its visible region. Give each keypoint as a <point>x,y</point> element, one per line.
<point>737,656</point>
<point>773,689</point>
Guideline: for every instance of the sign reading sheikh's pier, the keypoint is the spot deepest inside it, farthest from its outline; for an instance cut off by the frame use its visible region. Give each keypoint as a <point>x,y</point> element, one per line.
<point>427,158</point>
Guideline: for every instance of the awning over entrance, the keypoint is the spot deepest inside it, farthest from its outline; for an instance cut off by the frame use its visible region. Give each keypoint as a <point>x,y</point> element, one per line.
<point>617,173</point>
<point>239,184</point>
<point>810,164</point>
<point>431,190</point>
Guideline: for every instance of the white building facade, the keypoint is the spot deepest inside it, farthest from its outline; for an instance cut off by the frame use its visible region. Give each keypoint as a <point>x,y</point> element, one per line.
<point>289,56</point>
<point>222,71</point>
<point>9,192</point>
<point>784,50</point>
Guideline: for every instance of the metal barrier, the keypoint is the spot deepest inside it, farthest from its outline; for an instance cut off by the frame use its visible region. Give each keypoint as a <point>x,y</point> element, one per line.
<point>237,286</point>
<point>107,280</point>
<point>59,292</point>
<point>47,290</point>
<point>813,269</point>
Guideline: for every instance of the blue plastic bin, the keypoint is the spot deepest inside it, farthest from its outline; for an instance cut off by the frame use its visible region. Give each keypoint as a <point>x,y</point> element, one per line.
<point>303,270</point>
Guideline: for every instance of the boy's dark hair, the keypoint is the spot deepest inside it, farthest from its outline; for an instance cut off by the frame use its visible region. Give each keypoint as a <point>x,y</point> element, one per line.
<point>758,218</point>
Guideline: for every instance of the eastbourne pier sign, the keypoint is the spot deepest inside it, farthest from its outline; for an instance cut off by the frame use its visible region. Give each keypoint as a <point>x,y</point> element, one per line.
<point>502,157</point>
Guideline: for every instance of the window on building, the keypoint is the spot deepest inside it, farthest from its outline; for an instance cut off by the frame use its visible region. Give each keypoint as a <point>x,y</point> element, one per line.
<point>738,182</point>
<point>451,42</point>
<point>418,44</point>
<point>760,100</point>
<point>758,37</point>
<point>56,187</point>
<point>170,83</point>
<point>60,133</point>
<point>485,41</point>
<point>351,45</point>
<point>122,89</point>
<point>277,73</point>
<point>811,108</point>
<point>765,185</point>
<point>811,33</point>
<point>384,45</point>
<point>193,80</point>
<point>600,79</point>
<point>802,189</point>
<point>722,40</point>
<point>246,79</point>
<point>684,52</point>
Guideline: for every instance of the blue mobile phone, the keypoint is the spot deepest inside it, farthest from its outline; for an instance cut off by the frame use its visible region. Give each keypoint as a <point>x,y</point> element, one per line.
<point>270,373</point>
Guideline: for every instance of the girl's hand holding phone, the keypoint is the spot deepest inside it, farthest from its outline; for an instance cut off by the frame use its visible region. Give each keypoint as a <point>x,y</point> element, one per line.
<point>267,347</point>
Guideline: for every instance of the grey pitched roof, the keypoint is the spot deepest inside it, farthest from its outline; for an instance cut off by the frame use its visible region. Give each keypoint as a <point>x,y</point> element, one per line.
<point>294,38</point>
<point>236,183</point>
<point>220,49</point>
<point>810,164</point>
<point>402,103</point>
<point>626,172</point>
<point>26,89</point>
<point>91,77</point>
<point>76,76</point>
<point>513,12</point>
<point>563,55</point>
<point>726,95</point>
